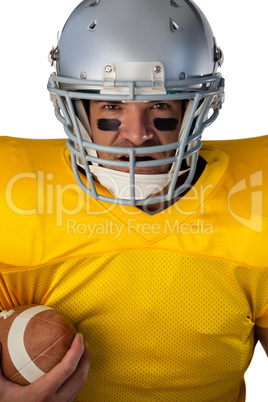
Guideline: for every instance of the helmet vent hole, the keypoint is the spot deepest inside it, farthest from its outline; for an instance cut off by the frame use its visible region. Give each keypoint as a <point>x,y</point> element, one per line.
<point>94,3</point>
<point>92,26</point>
<point>174,27</point>
<point>173,3</point>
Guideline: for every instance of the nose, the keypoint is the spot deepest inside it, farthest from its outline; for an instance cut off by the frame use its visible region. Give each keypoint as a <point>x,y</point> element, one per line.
<point>136,128</point>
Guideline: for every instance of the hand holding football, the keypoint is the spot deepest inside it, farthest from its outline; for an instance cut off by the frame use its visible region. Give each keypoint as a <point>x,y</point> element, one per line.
<point>34,339</point>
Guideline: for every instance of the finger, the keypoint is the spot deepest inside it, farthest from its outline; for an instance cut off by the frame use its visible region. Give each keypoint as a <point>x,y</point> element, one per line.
<point>54,379</point>
<point>72,387</point>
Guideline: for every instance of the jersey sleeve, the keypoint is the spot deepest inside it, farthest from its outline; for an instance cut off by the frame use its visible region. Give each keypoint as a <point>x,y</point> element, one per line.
<point>262,320</point>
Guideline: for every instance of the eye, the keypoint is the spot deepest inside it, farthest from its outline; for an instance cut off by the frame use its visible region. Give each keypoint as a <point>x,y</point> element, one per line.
<point>160,106</point>
<point>111,107</point>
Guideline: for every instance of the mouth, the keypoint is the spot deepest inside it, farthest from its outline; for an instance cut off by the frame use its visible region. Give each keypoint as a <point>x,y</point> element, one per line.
<point>140,158</point>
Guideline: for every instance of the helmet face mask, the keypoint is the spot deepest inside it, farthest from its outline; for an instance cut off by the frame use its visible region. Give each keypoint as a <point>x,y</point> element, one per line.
<point>100,56</point>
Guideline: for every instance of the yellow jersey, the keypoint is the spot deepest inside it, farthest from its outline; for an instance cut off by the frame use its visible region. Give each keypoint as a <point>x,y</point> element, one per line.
<point>167,302</point>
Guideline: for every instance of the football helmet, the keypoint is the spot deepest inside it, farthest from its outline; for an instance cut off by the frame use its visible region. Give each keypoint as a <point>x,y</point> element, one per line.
<point>135,50</point>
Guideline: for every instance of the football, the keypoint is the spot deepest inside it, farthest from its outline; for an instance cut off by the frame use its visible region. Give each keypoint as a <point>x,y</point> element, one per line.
<point>34,338</point>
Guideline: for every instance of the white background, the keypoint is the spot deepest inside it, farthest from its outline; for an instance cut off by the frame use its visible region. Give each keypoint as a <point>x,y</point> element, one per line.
<point>28,29</point>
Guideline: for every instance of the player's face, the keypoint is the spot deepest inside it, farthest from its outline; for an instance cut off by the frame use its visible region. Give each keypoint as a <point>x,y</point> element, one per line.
<point>136,124</point>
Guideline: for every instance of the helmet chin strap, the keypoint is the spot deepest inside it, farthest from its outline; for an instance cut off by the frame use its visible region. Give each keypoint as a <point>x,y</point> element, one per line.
<point>117,182</point>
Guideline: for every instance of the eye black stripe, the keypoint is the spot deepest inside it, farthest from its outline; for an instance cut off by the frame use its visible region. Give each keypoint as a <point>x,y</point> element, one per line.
<point>169,124</point>
<point>109,124</point>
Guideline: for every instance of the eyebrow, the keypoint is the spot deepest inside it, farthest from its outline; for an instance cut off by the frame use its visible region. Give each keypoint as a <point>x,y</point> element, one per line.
<point>109,101</point>
<point>119,102</point>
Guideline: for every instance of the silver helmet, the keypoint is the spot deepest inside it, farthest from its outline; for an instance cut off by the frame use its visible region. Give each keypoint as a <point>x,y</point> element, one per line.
<point>135,50</point>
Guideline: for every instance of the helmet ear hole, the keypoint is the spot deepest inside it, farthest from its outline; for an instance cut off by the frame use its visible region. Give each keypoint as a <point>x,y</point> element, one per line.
<point>173,3</point>
<point>94,3</point>
<point>92,26</point>
<point>174,27</point>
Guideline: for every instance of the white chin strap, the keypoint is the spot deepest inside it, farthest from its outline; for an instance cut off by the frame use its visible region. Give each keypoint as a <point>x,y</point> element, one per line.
<point>117,182</point>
